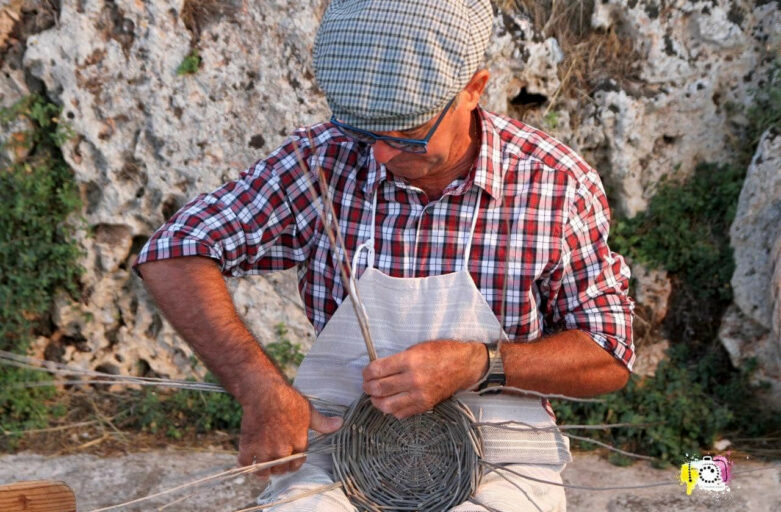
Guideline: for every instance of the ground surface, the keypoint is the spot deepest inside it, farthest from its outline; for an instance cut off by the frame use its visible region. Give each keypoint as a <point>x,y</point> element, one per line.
<point>102,481</point>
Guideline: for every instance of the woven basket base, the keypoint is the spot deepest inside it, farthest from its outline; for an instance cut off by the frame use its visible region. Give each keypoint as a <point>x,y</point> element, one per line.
<point>426,462</point>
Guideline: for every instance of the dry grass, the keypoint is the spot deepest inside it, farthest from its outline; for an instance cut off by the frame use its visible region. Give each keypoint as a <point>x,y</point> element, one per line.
<point>591,57</point>
<point>197,14</point>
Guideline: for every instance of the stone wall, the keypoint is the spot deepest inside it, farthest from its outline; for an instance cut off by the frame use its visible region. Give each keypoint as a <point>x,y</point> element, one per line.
<point>148,139</point>
<point>751,328</point>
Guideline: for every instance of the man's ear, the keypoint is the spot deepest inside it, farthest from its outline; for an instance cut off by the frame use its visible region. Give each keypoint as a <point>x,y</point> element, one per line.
<point>474,89</point>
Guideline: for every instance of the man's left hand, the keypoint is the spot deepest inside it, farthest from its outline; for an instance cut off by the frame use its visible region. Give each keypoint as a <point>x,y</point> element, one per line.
<point>415,380</point>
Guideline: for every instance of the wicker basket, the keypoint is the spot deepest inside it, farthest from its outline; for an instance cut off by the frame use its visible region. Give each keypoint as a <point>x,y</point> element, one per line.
<point>426,462</point>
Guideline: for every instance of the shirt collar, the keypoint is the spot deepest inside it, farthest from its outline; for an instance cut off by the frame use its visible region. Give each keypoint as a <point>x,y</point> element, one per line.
<point>488,167</point>
<point>486,174</point>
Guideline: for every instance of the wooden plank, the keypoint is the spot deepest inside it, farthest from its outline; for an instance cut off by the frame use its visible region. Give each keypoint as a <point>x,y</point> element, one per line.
<point>37,496</point>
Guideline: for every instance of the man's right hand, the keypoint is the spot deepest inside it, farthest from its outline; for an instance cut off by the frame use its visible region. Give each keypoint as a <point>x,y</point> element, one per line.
<point>192,294</point>
<point>275,423</point>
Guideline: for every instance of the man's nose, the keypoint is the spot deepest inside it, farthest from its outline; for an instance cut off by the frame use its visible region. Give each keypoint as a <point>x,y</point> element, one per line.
<point>384,153</point>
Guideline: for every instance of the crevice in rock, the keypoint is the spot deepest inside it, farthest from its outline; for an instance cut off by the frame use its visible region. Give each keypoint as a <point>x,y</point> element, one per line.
<point>154,326</point>
<point>528,99</point>
<point>196,15</point>
<point>114,25</point>
<point>170,206</point>
<point>92,195</point>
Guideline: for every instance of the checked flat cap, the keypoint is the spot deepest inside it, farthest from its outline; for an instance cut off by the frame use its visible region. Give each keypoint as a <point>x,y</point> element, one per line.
<point>393,64</point>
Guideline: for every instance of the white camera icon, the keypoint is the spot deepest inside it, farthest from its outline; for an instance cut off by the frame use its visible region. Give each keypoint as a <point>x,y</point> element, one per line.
<point>709,474</point>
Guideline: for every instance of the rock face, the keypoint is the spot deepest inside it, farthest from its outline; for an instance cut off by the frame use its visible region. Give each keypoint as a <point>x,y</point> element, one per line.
<point>700,59</point>
<point>149,139</point>
<point>752,326</point>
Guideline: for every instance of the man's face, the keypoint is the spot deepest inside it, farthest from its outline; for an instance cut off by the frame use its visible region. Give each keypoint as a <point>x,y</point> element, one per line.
<point>445,147</point>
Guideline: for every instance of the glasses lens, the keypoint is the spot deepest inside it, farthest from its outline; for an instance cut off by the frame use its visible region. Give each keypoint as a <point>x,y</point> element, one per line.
<point>407,146</point>
<point>360,137</point>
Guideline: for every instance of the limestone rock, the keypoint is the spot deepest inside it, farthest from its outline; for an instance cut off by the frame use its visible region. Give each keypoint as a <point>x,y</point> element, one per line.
<point>744,339</point>
<point>700,59</point>
<point>521,63</point>
<point>752,325</point>
<point>148,140</point>
<point>652,289</point>
<point>755,230</point>
<point>649,356</point>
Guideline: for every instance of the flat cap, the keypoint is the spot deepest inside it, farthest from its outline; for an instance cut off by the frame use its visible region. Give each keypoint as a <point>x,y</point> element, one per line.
<point>393,64</point>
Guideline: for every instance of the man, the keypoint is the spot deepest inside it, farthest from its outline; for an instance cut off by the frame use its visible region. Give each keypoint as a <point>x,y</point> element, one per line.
<point>430,184</point>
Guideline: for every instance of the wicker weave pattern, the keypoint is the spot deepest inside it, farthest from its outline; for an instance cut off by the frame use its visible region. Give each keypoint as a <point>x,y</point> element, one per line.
<point>427,462</point>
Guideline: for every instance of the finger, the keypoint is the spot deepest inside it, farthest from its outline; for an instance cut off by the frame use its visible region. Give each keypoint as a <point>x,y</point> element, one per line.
<point>409,411</point>
<point>324,424</point>
<point>387,386</point>
<point>393,404</point>
<point>246,459</point>
<point>384,367</point>
<point>296,464</point>
<point>247,456</point>
<point>280,469</point>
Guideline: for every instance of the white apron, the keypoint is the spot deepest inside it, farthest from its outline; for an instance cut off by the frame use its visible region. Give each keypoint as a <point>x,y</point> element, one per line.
<point>403,312</point>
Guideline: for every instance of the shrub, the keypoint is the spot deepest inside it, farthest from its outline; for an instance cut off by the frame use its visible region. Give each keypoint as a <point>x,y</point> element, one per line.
<point>38,254</point>
<point>190,64</point>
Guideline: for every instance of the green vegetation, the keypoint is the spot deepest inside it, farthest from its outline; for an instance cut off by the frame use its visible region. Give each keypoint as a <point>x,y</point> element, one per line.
<point>285,353</point>
<point>551,120</point>
<point>685,230</point>
<point>184,410</point>
<point>696,394</point>
<point>190,64</point>
<point>38,255</point>
<point>683,408</point>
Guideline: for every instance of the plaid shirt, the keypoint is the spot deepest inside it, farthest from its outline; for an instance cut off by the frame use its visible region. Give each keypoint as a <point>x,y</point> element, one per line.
<point>539,256</point>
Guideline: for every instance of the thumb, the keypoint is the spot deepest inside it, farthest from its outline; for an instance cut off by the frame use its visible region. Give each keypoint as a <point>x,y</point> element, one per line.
<point>324,424</point>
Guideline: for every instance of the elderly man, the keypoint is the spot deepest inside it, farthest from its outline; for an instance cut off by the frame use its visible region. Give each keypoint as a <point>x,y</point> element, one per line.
<point>463,226</point>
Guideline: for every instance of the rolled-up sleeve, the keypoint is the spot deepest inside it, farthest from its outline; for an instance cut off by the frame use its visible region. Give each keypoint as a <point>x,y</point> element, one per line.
<point>261,222</point>
<point>592,289</point>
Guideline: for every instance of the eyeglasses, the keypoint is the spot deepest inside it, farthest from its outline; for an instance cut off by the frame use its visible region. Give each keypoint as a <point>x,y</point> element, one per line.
<point>408,145</point>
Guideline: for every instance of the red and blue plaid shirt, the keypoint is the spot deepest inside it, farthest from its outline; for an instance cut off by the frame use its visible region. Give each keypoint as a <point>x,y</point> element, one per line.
<point>541,202</point>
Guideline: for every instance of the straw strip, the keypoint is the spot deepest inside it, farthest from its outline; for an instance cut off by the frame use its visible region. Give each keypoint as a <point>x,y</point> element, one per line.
<point>61,369</point>
<point>481,504</point>
<point>514,484</point>
<point>508,425</point>
<point>611,448</point>
<point>219,476</point>
<point>335,237</point>
<point>537,393</point>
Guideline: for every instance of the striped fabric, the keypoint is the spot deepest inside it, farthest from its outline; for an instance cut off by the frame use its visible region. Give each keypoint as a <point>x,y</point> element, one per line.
<point>542,230</point>
<point>405,312</point>
<point>393,64</point>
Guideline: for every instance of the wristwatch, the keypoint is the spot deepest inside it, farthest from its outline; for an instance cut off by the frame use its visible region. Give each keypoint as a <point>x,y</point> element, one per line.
<point>495,377</point>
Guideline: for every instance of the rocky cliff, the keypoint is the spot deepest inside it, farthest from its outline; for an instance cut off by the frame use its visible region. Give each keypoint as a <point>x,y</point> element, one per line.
<point>644,89</point>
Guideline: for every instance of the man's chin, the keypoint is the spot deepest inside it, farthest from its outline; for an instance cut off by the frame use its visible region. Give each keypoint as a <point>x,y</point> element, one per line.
<point>408,172</point>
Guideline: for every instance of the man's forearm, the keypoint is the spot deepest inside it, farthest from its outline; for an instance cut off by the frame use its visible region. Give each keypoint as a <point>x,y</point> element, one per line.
<point>568,363</point>
<point>192,295</point>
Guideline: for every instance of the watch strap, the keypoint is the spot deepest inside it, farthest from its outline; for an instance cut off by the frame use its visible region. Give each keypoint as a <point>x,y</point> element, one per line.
<point>495,375</point>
